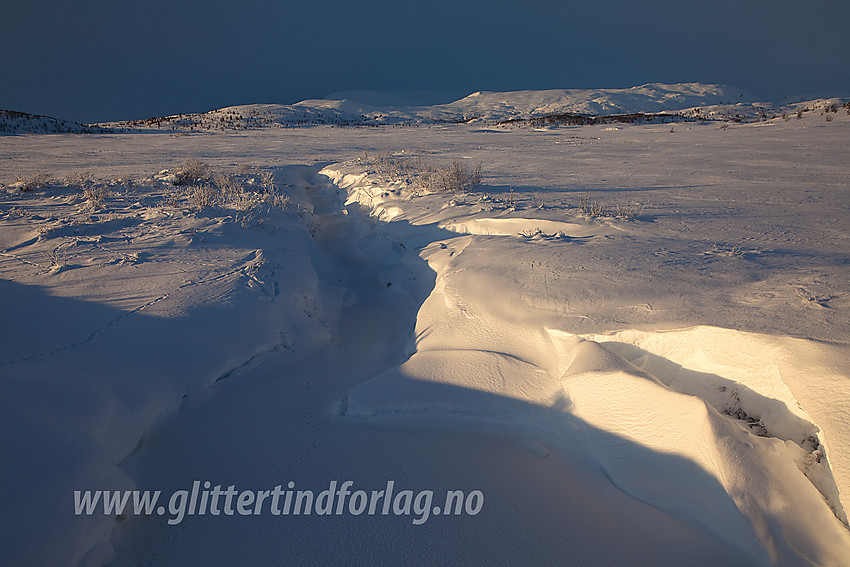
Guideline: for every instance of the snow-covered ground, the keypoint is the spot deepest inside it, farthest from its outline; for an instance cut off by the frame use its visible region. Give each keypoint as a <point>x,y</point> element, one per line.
<point>632,339</point>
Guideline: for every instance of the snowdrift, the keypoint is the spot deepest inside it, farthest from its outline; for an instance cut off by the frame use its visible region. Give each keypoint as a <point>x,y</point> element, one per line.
<point>717,401</point>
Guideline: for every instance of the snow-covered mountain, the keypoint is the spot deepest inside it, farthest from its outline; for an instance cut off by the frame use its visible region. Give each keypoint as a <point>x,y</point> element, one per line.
<point>653,97</point>
<point>13,122</point>
<point>483,105</point>
<point>652,102</point>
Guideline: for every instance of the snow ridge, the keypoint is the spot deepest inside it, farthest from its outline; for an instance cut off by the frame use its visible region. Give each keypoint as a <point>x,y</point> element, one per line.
<point>684,441</point>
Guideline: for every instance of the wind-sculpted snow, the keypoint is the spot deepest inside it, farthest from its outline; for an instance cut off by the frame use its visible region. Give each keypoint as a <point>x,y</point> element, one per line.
<point>765,485</point>
<point>517,227</point>
<point>752,490</point>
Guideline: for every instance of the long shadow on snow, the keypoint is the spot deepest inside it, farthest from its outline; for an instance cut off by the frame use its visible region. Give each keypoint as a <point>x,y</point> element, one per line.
<point>675,486</point>
<point>80,385</point>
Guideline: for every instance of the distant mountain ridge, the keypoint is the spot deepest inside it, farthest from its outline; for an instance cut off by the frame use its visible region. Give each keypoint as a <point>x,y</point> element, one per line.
<point>653,97</point>
<point>653,102</point>
<point>484,105</point>
<point>13,122</point>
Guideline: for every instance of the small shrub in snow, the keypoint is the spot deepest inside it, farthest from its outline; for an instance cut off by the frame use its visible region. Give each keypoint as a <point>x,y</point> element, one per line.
<point>628,210</point>
<point>245,218</point>
<point>590,208</point>
<point>420,174</point>
<point>267,181</point>
<point>454,177</point>
<point>202,196</point>
<point>94,195</point>
<point>227,191</point>
<point>79,179</point>
<point>388,166</point>
<point>475,178</point>
<point>422,166</point>
<point>242,201</point>
<point>276,200</point>
<point>57,261</point>
<point>451,178</point>
<point>37,181</point>
<point>192,171</point>
<point>227,185</point>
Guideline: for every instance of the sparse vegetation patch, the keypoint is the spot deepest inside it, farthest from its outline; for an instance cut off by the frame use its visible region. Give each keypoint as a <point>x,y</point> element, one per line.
<point>33,182</point>
<point>421,175</point>
<point>593,208</point>
<point>192,171</point>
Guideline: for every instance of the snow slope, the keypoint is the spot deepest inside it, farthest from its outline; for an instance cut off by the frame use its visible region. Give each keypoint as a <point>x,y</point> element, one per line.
<point>633,340</point>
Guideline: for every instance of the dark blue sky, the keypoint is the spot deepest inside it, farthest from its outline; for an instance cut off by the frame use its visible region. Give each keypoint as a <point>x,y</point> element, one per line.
<point>98,60</point>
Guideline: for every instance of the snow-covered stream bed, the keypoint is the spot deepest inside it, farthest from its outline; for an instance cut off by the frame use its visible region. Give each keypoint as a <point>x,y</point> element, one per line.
<point>668,385</point>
